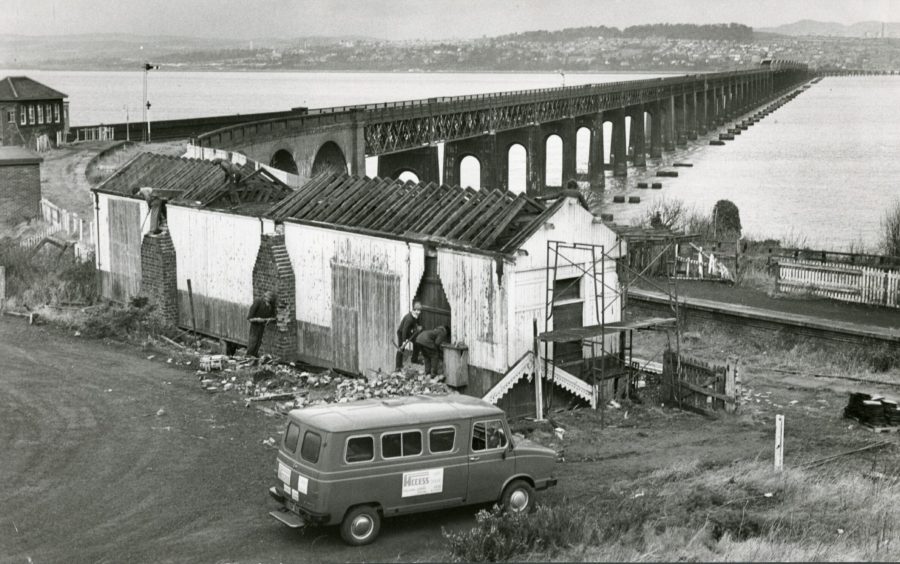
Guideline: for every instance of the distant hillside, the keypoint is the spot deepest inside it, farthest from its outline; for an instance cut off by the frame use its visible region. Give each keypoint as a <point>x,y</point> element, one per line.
<point>833,29</point>
<point>727,32</point>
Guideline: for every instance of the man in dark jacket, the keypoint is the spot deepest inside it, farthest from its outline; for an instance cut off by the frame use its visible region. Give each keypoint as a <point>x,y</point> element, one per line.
<point>406,335</point>
<point>261,313</point>
<point>430,342</point>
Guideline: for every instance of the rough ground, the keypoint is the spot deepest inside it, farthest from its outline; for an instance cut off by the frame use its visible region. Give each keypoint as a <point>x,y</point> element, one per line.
<point>111,457</point>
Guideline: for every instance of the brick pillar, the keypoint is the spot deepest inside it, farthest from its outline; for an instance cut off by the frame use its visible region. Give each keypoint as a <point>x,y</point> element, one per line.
<point>273,271</point>
<point>159,283</point>
<point>423,162</point>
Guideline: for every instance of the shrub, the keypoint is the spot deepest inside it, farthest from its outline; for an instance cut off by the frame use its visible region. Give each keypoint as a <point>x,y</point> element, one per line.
<point>120,322</point>
<point>501,536</point>
<point>726,218</point>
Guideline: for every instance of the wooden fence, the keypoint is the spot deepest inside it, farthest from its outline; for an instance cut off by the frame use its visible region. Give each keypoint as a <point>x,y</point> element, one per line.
<point>699,386</point>
<point>839,281</point>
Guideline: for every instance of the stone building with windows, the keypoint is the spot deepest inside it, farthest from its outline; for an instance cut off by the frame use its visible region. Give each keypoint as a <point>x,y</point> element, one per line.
<point>32,114</point>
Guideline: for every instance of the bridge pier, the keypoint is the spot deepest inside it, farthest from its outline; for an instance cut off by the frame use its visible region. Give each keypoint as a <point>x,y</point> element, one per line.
<point>638,148</point>
<point>702,113</point>
<point>656,131</point>
<point>423,162</point>
<point>691,113</point>
<point>536,162</point>
<point>619,148</point>
<point>596,165</point>
<point>483,148</point>
<point>669,125</point>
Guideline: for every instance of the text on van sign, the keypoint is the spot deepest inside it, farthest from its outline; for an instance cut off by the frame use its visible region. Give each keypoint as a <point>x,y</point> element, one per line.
<point>423,482</point>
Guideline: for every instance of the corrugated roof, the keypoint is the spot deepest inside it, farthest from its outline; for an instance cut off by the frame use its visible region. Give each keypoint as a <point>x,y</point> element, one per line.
<point>21,88</point>
<point>208,184</point>
<point>490,220</point>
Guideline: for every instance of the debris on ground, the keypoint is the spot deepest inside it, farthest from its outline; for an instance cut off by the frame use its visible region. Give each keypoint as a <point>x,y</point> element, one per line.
<point>290,387</point>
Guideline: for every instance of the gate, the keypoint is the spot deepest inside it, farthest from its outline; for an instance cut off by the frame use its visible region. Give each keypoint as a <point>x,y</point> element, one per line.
<point>699,386</point>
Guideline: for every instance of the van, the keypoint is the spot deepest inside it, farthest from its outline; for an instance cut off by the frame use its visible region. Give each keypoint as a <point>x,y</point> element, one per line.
<point>354,464</point>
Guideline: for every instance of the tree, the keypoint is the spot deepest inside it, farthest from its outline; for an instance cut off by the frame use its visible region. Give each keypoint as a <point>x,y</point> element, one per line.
<point>890,230</point>
<point>726,218</point>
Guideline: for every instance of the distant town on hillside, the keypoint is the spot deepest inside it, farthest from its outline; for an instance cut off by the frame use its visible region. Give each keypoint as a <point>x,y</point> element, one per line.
<point>656,47</point>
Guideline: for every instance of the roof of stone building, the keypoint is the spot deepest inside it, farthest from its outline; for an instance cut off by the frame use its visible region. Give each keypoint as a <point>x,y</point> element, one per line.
<point>488,220</point>
<point>13,155</point>
<point>22,88</point>
<point>206,184</point>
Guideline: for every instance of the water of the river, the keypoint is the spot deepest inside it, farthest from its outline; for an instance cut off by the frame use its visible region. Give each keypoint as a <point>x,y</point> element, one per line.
<point>820,170</point>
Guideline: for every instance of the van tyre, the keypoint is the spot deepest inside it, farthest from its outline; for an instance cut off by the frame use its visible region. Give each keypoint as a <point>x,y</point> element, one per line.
<point>361,525</point>
<point>518,497</point>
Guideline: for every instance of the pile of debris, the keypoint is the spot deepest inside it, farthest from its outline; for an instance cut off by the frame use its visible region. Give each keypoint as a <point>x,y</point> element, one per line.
<point>291,387</point>
<point>873,411</point>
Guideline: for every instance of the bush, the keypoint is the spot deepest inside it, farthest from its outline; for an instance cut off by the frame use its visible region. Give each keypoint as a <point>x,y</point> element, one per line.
<point>121,322</point>
<point>726,219</point>
<point>499,536</point>
<point>48,277</point>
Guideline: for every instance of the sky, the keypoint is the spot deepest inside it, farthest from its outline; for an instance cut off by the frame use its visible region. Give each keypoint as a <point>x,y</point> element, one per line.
<point>407,19</point>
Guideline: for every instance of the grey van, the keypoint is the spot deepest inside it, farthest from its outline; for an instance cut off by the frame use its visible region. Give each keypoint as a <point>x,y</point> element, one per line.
<point>353,464</point>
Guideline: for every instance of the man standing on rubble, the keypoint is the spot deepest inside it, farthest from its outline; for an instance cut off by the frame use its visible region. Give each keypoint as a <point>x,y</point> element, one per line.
<point>406,335</point>
<point>261,313</point>
<point>430,342</point>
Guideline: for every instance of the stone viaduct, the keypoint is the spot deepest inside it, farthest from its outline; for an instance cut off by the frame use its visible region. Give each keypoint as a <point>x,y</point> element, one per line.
<point>663,113</point>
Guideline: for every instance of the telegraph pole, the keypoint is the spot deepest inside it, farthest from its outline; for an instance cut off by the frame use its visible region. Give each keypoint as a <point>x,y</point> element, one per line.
<point>146,107</point>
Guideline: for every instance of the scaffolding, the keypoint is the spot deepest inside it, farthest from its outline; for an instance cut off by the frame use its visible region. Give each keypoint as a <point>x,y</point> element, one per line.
<point>584,259</point>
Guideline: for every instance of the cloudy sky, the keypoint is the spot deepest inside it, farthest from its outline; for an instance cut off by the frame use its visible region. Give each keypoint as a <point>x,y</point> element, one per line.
<point>407,19</point>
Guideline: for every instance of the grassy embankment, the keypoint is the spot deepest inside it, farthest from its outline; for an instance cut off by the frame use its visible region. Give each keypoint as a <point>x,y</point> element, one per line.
<point>727,503</point>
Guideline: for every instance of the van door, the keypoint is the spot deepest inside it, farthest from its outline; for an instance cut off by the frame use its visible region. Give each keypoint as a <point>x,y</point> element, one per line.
<point>491,462</point>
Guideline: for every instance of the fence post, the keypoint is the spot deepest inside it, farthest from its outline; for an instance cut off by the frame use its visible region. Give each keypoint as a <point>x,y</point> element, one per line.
<point>732,384</point>
<point>779,442</point>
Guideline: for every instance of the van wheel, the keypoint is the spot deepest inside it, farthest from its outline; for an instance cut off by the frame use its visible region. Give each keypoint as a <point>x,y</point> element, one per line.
<point>518,497</point>
<point>361,525</point>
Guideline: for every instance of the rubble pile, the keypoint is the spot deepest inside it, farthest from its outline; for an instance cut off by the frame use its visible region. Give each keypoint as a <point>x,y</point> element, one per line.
<point>290,387</point>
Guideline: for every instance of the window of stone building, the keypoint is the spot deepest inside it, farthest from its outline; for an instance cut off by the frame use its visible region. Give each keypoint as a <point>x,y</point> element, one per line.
<point>23,118</point>
<point>56,112</point>
<point>31,113</point>
<point>10,116</point>
<point>40,113</point>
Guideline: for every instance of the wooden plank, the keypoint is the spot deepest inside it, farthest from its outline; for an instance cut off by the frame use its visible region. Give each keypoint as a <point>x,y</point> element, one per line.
<point>699,390</point>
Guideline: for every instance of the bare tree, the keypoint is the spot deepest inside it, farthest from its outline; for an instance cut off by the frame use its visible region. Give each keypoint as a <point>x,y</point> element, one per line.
<point>890,230</point>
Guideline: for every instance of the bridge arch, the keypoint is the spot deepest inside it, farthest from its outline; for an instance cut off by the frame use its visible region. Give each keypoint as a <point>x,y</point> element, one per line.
<point>283,159</point>
<point>582,149</point>
<point>407,175</point>
<point>470,171</point>
<point>517,167</point>
<point>553,155</point>
<point>329,157</point>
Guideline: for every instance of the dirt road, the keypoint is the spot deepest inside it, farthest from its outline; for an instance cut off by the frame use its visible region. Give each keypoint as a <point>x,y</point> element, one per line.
<point>91,471</point>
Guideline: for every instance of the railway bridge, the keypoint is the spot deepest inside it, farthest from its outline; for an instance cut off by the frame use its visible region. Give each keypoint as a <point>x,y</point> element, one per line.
<point>660,113</point>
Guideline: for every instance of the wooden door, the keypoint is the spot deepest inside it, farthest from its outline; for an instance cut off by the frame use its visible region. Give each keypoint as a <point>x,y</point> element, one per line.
<point>344,317</point>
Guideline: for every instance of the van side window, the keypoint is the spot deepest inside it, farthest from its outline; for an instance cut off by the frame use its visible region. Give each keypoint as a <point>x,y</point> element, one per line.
<point>360,449</point>
<point>311,445</point>
<point>291,437</point>
<point>487,435</point>
<point>441,440</point>
<point>394,445</point>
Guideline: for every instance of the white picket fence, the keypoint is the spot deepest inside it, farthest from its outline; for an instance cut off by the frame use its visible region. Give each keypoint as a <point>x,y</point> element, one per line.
<point>700,265</point>
<point>64,225</point>
<point>845,282</point>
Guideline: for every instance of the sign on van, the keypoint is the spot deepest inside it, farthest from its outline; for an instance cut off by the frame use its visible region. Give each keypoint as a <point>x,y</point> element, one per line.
<point>423,482</point>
